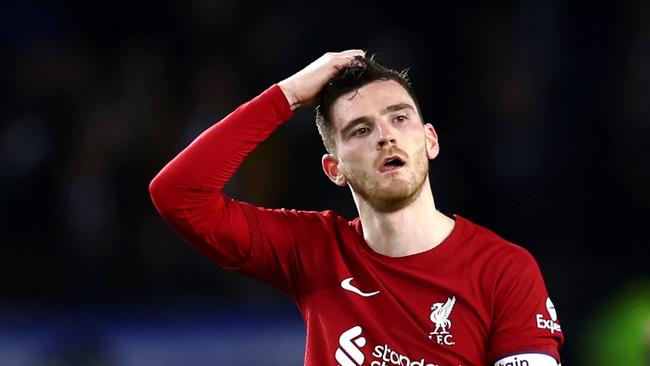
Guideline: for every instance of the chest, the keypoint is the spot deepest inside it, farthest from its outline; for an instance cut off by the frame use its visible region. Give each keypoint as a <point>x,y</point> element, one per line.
<point>426,314</point>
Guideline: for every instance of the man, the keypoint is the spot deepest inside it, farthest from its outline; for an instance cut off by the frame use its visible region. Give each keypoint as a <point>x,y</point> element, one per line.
<point>403,284</point>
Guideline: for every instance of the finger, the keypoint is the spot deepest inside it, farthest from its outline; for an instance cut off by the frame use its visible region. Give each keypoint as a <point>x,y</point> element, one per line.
<point>347,57</point>
<point>352,53</point>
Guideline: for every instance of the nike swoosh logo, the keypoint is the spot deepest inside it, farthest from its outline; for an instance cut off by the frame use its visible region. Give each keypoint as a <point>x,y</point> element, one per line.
<point>347,285</point>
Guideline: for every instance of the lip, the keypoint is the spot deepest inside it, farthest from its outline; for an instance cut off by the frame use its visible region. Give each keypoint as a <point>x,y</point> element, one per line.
<point>383,168</point>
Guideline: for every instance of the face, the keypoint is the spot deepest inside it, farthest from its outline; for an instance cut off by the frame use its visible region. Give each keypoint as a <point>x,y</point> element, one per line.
<point>383,148</point>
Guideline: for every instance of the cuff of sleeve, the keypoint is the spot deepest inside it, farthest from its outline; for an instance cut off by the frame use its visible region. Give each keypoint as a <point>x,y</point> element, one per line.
<point>280,102</point>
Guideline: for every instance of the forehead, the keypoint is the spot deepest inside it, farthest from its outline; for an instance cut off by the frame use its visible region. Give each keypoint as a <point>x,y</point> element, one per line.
<point>367,100</point>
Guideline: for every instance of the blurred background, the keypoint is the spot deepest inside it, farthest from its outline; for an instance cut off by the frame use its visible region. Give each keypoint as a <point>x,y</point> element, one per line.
<point>542,109</point>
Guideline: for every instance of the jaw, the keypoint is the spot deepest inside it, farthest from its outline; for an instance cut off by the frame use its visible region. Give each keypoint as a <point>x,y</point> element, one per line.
<point>388,191</point>
<point>392,198</point>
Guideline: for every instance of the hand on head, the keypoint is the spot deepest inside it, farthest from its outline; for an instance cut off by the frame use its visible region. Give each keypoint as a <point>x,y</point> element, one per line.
<point>302,87</point>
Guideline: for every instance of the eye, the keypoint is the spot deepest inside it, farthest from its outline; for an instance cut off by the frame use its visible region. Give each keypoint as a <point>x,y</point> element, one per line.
<point>360,131</point>
<point>401,119</point>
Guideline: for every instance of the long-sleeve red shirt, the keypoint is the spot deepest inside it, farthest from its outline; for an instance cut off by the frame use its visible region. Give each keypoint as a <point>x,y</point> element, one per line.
<point>472,300</point>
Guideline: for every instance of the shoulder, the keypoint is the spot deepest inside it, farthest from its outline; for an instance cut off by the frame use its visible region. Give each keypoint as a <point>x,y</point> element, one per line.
<point>295,219</point>
<point>493,249</point>
<point>327,217</point>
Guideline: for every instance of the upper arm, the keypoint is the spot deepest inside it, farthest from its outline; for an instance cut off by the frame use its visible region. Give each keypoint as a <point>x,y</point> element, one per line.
<point>524,320</point>
<point>262,243</point>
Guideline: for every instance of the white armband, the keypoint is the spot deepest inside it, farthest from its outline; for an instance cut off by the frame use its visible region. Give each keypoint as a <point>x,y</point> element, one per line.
<point>527,359</point>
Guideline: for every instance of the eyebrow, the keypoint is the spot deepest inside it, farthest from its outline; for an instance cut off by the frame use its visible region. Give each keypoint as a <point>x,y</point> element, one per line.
<point>364,119</point>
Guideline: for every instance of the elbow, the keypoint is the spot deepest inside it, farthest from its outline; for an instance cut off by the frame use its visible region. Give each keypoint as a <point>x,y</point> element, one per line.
<point>162,194</point>
<point>156,186</point>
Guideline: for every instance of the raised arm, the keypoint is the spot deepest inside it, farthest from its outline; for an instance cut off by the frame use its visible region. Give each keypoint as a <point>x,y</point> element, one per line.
<point>187,191</point>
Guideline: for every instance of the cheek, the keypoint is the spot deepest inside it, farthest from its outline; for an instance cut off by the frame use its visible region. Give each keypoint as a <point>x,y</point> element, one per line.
<point>351,165</point>
<point>420,153</point>
<point>354,154</point>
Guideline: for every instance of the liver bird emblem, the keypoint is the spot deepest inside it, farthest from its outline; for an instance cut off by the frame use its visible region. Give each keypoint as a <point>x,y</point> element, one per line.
<point>440,316</point>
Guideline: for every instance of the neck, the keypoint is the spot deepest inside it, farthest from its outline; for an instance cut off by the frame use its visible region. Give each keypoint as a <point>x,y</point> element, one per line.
<point>413,229</point>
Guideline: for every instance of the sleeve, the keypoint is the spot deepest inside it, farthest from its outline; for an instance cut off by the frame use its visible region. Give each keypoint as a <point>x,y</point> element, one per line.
<point>524,319</point>
<point>238,236</point>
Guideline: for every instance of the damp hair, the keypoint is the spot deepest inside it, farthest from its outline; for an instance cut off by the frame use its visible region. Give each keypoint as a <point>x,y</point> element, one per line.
<point>360,72</point>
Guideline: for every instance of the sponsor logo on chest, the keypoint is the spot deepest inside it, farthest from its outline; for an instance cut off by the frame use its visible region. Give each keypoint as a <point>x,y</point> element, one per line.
<point>352,341</point>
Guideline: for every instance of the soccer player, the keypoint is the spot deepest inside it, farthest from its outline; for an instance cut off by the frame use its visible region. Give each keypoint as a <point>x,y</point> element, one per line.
<point>402,284</point>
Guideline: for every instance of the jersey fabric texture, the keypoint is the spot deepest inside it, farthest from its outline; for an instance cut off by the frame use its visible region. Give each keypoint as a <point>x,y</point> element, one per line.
<point>472,300</point>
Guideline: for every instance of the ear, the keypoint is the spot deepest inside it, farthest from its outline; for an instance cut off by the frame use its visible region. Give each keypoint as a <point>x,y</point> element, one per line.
<point>331,169</point>
<point>431,141</point>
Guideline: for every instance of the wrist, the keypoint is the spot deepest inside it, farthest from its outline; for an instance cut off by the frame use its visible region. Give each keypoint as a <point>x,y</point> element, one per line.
<point>289,94</point>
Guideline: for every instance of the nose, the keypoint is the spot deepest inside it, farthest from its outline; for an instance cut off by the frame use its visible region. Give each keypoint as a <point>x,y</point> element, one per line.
<point>386,136</point>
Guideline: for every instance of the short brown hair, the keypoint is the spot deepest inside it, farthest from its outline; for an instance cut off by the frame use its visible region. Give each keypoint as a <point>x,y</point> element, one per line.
<point>361,71</point>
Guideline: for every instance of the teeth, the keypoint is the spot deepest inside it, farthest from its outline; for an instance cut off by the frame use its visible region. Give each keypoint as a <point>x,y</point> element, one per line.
<point>394,162</point>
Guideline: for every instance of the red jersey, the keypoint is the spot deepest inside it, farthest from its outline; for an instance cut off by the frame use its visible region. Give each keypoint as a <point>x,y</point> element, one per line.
<point>472,300</point>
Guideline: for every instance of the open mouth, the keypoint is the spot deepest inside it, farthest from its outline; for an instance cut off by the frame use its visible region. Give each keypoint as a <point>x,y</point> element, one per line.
<point>391,163</point>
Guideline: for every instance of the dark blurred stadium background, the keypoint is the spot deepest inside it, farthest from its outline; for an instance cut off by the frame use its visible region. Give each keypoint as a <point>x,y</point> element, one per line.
<point>542,109</point>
